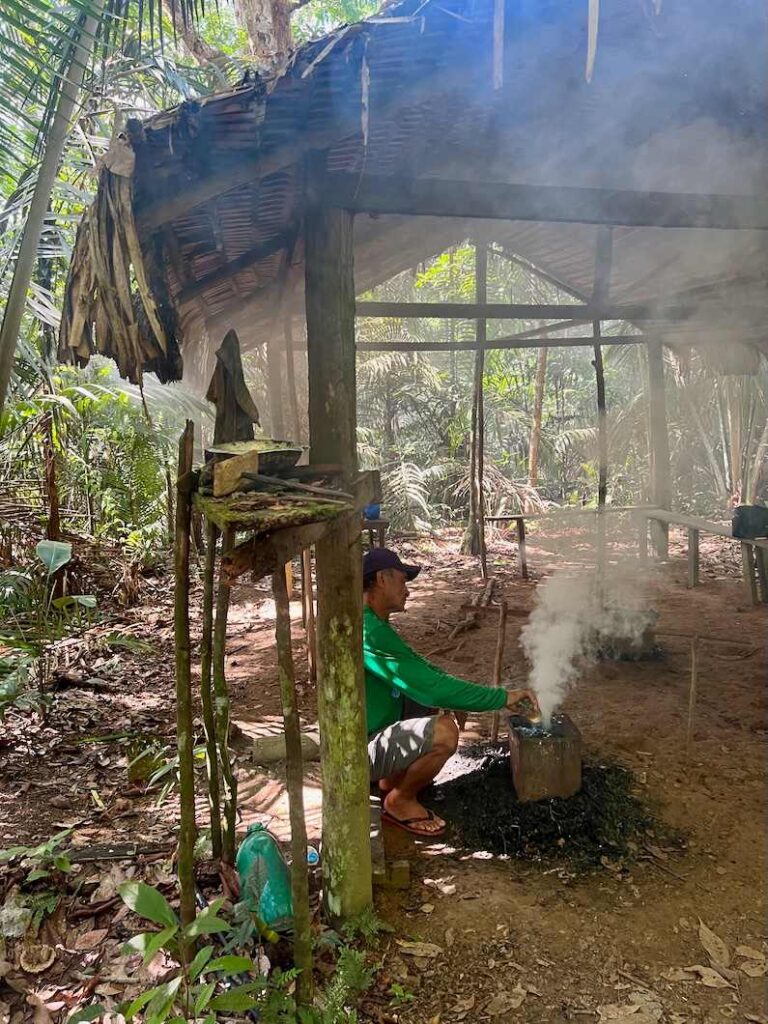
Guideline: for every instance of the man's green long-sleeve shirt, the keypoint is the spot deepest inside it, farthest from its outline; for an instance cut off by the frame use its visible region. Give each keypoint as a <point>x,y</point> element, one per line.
<point>393,671</point>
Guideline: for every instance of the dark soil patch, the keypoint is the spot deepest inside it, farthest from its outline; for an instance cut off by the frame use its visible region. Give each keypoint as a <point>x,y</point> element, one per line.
<point>603,820</point>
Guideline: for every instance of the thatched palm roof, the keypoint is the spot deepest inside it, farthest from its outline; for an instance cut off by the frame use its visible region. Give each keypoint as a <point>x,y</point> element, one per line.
<point>214,191</point>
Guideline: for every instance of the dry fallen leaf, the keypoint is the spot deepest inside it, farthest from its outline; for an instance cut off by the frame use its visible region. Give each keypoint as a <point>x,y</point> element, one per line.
<point>708,976</point>
<point>503,1002</point>
<point>90,940</point>
<point>714,945</point>
<point>5,1013</point>
<point>754,970</point>
<point>463,1005</point>
<point>443,885</point>
<point>450,937</point>
<point>675,974</point>
<point>756,1018</point>
<point>750,953</point>
<point>427,908</point>
<point>419,949</point>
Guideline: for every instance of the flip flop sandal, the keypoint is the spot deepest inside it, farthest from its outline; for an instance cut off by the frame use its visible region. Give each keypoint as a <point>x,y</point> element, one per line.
<point>407,824</point>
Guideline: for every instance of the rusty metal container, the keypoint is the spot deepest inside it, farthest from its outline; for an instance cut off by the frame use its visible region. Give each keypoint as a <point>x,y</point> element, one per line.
<point>545,764</point>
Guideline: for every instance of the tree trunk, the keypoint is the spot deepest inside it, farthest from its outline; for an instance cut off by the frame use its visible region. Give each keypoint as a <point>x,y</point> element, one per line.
<point>184,726</point>
<point>294,779</point>
<point>267,24</point>
<point>538,407</point>
<point>222,708</point>
<point>330,303</point>
<point>71,83</point>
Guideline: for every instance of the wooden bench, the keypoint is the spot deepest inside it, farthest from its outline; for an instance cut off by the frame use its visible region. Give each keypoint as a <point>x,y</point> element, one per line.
<point>754,552</point>
<point>519,521</point>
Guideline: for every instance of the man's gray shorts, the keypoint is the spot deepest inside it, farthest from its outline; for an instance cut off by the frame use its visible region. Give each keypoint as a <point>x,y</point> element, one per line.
<point>400,744</point>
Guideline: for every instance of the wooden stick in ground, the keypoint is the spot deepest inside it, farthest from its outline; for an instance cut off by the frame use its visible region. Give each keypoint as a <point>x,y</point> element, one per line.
<point>692,693</point>
<point>221,697</point>
<point>294,776</point>
<point>206,694</point>
<point>309,612</point>
<point>184,728</point>
<point>498,662</point>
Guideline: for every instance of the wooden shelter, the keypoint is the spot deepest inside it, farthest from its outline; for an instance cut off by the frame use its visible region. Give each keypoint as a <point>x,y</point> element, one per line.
<point>623,158</point>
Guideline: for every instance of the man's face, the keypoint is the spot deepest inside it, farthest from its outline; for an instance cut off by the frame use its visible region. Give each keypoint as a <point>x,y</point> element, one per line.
<point>393,588</point>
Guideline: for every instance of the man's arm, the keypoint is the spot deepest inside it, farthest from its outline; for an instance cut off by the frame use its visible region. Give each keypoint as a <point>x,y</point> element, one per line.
<point>388,657</point>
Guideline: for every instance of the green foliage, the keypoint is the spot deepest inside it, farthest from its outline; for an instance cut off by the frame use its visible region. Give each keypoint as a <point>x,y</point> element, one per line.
<point>206,984</point>
<point>32,618</point>
<point>40,861</point>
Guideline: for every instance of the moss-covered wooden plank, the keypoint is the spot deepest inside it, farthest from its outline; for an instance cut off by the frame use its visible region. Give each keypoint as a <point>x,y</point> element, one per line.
<point>263,513</point>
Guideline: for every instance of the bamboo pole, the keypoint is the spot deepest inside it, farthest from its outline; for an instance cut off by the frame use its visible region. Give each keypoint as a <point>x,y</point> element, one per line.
<point>184,727</point>
<point>294,774</point>
<point>209,716</point>
<point>499,662</point>
<point>222,707</point>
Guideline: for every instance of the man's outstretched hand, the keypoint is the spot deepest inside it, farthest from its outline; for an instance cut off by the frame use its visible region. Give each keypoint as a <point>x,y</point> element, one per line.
<point>517,697</point>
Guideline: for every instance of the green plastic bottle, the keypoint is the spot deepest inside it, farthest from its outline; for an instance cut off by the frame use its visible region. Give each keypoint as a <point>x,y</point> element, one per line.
<point>265,878</point>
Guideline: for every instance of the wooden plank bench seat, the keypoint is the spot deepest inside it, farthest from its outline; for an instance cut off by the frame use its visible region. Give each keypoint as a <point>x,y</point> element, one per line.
<point>754,551</point>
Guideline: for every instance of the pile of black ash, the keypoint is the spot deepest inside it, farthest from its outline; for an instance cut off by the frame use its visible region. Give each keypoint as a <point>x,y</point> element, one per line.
<point>604,820</point>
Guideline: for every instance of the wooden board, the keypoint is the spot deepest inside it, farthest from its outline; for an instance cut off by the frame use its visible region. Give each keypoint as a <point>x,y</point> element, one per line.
<point>228,473</point>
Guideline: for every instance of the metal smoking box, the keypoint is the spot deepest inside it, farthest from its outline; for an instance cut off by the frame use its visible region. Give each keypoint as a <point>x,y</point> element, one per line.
<point>545,764</point>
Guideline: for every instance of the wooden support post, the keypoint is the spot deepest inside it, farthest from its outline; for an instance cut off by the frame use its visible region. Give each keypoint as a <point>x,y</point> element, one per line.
<point>748,567</point>
<point>603,258</point>
<point>221,695</point>
<point>184,726</point>
<point>474,538</point>
<point>602,455</point>
<point>275,385</point>
<point>521,548</point>
<point>294,777</point>
<point>642,538</point>
<point>206,693</point>
<point>761,559</point>
<point>290,379</point>
<point>308,605</point>
<point>661,479</point>
<point>693,558</point>
<point>498,663</point>
<point>330,305</point>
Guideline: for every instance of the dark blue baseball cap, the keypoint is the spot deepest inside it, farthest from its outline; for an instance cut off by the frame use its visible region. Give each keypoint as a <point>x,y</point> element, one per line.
<point>378,559</point>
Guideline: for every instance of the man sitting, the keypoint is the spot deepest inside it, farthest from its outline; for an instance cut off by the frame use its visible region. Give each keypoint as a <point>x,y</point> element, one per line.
<point>407,753</point>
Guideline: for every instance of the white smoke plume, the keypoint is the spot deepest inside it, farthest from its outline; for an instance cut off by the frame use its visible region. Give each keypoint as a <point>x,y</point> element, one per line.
<point>571,623</point>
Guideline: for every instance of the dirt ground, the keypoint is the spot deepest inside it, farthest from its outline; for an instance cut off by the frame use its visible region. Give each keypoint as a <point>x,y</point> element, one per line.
<point>508,940</point>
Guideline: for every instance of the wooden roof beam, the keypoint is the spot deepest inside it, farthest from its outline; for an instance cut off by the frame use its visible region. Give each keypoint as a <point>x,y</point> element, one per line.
<point>494,344</point>
<point>437,197</point>
<point>659,310</point>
